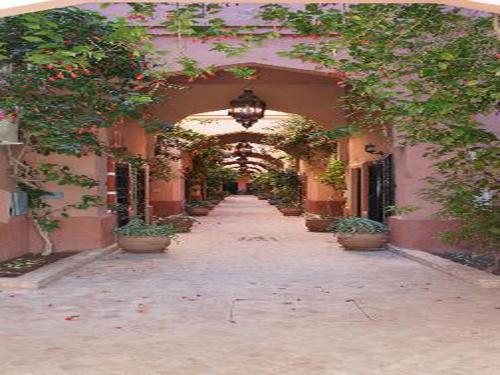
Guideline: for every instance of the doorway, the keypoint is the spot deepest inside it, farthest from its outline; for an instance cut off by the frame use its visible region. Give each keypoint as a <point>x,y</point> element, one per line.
<point>381,188</point>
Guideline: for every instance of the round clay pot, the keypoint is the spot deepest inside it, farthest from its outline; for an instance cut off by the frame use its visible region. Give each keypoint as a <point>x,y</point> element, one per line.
<point>143,244</point>
<point>182,226</point>
<point>291,211</point>
<point>318,225</point>
<point>363,241</point>
<point>198,211</point>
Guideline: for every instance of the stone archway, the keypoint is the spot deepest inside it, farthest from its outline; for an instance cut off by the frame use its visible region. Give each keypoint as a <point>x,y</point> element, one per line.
<point>306,92</point>
<point>248,163</point>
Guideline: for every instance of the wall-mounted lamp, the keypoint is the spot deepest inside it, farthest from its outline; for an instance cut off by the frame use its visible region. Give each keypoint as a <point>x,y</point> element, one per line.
<point>372,149</point>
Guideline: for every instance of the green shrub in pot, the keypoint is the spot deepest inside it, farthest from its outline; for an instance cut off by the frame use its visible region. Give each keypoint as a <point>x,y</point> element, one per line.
<point>354,224</point>
<point>182,223</point>
<point>197,203</point>
<point>359,233</point>
<point>198,207</point>
<point>318,222</point>
<point>137,236</point>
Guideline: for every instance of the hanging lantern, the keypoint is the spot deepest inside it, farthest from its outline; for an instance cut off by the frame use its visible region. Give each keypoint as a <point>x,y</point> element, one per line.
<point>247,109</point>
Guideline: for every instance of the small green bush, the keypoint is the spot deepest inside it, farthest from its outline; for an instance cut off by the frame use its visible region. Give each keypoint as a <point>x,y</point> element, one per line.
<point>357,225</point>
<point>138,228</point>
<point>197,203</point>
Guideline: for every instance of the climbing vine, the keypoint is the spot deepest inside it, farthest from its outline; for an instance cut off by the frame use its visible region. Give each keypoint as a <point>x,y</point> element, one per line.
<point>427,70</point>
<point>304,138</point>
<point>67,74</point>
<point>334,174</point>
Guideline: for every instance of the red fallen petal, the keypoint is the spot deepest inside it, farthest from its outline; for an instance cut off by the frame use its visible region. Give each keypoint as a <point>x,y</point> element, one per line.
<point>141,311</point>
<point>72,317</point>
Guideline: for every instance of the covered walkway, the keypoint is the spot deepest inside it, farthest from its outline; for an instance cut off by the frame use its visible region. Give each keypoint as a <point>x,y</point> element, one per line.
<point>251,292</point>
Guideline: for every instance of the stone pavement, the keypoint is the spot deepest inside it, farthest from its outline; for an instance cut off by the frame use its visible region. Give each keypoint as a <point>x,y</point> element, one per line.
<point>251,292</point>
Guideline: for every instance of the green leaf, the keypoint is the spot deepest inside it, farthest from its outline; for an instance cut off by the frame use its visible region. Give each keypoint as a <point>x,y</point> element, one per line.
<point>33,39</point>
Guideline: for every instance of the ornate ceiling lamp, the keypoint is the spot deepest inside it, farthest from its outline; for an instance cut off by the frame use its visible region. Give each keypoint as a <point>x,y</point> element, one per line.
<point>247,109</point>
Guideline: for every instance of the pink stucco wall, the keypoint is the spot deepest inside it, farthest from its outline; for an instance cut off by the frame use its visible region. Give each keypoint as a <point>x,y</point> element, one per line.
<point>286,85</point>
<point>14,238</point>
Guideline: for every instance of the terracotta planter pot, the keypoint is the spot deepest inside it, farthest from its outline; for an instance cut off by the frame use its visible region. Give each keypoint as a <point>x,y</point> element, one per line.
<point>318,225</point>
<point>363,241</point>
<point>143,244</point>
<point>198,211</point>
<point>182,226</point>
<point>291,211</point>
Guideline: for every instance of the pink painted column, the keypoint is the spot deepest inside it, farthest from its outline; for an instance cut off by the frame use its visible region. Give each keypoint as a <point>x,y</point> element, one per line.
<point>168,197</point>
<point>320,199</point>
<point>418,229</point>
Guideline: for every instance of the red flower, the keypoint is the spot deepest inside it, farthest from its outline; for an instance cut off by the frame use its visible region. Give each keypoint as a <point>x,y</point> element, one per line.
<point>69,68</point>
<point>139,76</point>
<point>73,75</point>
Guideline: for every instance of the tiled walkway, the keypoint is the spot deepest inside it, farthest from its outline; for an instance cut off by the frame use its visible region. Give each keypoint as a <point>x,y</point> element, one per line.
<point>251,292</point>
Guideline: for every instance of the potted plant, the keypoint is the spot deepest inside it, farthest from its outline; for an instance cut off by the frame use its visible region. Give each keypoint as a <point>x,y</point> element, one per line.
<point>290,208</point>
<point>198,208</point>
<point>360,233</point>
<point>139,237</point>
<point>273,201</point>
<point>213,201</point>
<point>182,223</point>
<point>318,223</point>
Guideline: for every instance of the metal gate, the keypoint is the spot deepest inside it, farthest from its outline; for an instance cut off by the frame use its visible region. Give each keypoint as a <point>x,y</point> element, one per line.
<point>381,188</point>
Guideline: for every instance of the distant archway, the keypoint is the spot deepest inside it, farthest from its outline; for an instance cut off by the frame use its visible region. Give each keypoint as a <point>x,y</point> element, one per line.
<point>265,157</point>
<point>249,163</point>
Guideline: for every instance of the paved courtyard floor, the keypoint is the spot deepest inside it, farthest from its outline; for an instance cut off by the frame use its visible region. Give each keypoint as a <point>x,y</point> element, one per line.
<point>251,292</point>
